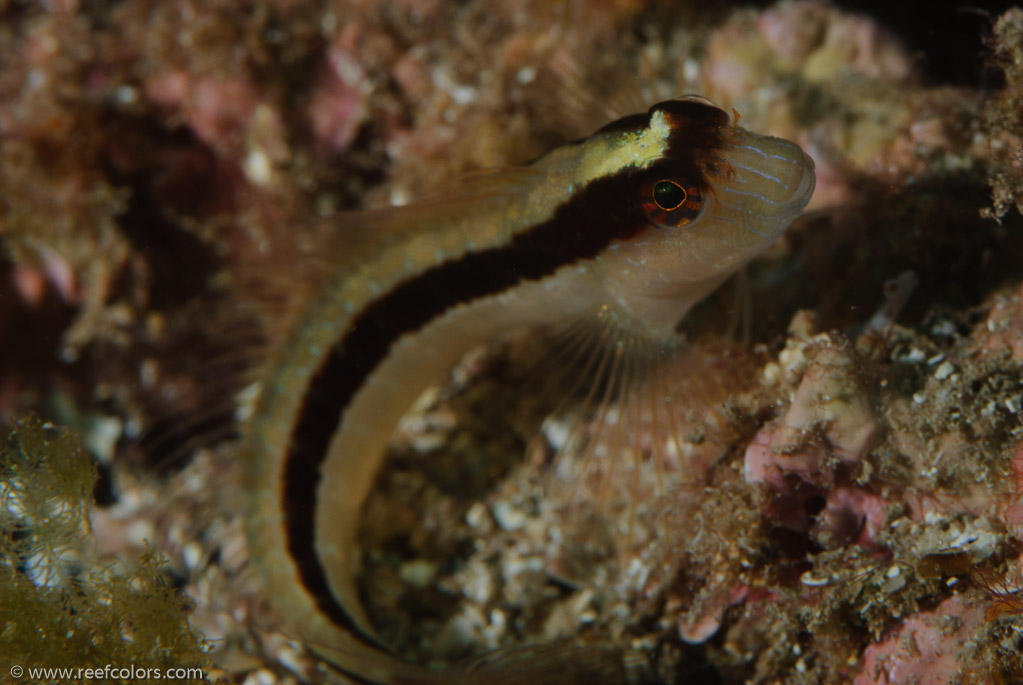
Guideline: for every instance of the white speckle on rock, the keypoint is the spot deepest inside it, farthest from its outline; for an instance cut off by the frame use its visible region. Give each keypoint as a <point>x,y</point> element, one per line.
<point>813,581</point>
<point>477,515</point>
<point>261,677</point>
<point>525,75</point>
<point>192,555</point>
<point>508,517</point>
<point>257,167</point>
<point>140,533</point>
<point>418,572</point>
<point>476,582</point>
<point>945,370</point>
<point>914,356</point>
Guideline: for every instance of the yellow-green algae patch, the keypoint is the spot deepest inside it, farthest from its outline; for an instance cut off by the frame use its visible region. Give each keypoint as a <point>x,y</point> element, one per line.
<point>59,606</point>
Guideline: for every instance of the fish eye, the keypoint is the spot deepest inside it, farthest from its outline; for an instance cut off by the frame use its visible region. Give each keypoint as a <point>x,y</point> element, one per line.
<point>668,195</point>
<point>670,202</point>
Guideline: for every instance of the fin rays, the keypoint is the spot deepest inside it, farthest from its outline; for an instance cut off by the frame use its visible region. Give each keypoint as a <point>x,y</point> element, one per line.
<point>621,423</point>
<point>640,421</point>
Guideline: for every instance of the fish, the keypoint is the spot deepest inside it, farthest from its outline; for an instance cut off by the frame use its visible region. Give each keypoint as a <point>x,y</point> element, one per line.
<point>633,225</point>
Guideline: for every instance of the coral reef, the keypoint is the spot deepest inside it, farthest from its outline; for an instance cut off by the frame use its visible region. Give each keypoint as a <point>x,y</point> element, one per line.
<point>838,497</point>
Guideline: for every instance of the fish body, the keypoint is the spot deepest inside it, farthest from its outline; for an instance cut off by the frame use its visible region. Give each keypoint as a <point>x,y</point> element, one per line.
<point>635,223</point>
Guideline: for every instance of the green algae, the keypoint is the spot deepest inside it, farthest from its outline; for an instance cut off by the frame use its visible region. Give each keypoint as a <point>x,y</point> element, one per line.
<point>60,606</point>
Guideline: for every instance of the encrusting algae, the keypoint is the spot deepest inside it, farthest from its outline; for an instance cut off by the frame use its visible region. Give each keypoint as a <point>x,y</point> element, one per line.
<point>835,495</point>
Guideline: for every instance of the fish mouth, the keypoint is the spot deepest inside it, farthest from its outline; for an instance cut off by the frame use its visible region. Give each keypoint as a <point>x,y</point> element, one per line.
<point>804,191</point>
<point>771,173</point>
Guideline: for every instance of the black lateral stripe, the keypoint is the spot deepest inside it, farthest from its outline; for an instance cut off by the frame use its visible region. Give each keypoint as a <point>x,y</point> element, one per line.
<point>604,212</point>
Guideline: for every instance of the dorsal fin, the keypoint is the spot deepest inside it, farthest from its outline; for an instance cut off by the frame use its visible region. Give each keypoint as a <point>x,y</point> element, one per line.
<point>233,330</point>
<point>347,235</point>
<point>582,88</point>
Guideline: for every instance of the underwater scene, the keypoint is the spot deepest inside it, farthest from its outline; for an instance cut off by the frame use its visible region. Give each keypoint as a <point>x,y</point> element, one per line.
<point>519,342</point>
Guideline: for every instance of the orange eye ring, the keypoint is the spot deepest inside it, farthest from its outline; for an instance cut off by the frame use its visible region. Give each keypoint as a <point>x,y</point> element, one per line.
<point>670,203</point>
<point>668,195</point>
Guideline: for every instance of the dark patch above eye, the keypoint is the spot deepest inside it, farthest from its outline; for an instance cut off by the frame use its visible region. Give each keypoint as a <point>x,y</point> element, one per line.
<point>669,195</point>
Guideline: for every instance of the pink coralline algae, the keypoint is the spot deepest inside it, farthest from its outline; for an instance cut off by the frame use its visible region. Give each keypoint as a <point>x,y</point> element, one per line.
<point>697,629</point>
<point>829,419</point>
<point>926,648</point>
<point>339,103</point>
<point>217,110</point>
<point>816,449</point>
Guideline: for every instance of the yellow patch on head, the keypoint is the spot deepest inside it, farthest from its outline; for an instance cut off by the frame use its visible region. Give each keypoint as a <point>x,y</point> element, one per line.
<point>611,154</point>
<point>659,127</point>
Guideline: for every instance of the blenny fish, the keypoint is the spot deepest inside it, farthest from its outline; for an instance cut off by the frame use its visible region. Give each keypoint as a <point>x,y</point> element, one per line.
<point>635,224</point>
